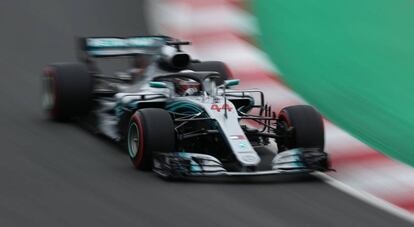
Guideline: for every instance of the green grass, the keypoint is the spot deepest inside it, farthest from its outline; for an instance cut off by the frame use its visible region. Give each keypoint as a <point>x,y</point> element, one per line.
<point>352,59</point>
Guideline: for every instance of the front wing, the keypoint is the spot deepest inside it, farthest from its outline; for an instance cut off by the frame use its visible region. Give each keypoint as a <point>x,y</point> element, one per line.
<point>183,164</point>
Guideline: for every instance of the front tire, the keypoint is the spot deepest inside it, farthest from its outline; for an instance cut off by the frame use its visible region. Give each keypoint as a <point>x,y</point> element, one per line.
<point>150,131</point>
<point>306,125</point>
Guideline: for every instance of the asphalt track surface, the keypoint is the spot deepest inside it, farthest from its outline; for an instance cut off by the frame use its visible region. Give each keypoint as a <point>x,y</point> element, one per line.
<point>55,174</point>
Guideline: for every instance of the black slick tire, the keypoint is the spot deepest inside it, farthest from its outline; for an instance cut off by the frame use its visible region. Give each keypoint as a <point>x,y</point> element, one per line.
<point>67,90</point>
<point>150,131</point>
<point>307,128</point>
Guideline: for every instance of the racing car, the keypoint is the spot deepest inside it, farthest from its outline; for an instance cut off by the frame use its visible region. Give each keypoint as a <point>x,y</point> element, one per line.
<point>180,116</point>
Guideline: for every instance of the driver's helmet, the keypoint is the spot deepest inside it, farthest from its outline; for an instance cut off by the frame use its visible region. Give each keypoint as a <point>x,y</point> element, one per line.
<point>185,87</point>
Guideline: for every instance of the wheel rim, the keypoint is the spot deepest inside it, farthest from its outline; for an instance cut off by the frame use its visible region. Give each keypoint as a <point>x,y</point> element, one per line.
<point>284,144</point>
<point>133,140</point>
<point>48,96</point>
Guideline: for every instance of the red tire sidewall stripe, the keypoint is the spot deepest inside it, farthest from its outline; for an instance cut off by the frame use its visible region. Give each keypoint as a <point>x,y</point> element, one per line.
<point>138,160</point>
<point>50,72</point>
<point>284,116</point>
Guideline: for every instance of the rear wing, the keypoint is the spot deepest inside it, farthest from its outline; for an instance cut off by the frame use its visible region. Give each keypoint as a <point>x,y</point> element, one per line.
<point>116,46</point>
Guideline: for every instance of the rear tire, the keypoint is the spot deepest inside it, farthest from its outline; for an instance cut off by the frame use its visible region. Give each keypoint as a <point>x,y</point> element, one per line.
<point>67,90</point>
<point>150,131</point>
<point>215,66</point>
<point>308,129</point>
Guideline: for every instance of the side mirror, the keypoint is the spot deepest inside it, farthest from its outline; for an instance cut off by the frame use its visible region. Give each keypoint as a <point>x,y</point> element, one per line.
<point>156,84</point>
<point>231,83</point>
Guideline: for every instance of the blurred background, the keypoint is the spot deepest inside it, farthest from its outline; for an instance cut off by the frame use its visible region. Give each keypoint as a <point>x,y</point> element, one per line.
<point>350,59</point>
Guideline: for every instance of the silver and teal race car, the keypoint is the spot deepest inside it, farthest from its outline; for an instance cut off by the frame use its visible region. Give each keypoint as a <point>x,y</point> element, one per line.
<point>179,116</point>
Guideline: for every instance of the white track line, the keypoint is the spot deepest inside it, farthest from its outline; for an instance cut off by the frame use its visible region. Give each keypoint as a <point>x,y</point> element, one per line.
<point>366,197</point>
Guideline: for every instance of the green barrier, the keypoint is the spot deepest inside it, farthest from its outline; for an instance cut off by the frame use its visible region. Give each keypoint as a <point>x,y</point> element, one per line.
<point>352,59</point>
